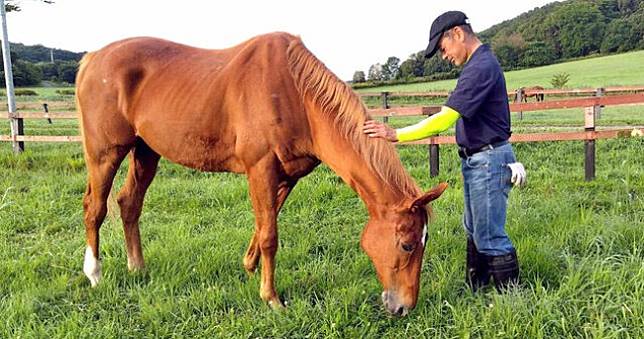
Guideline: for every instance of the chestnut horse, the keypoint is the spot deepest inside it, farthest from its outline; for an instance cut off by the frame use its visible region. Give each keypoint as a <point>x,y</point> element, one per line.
<point>267,108</point>
<point>534,91</point>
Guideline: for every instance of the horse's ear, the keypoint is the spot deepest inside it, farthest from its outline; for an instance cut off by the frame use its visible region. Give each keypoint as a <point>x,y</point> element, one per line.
<point>430,195</point>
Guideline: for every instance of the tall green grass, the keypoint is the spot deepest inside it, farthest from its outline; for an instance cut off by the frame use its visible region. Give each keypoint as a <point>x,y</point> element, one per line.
<point>579,244</point>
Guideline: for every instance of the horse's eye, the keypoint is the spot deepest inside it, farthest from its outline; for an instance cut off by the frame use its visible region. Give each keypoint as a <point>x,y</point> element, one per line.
<point>408,247</point>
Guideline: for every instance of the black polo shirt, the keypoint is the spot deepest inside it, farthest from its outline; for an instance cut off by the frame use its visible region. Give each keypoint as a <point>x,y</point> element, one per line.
<point>481,99</point>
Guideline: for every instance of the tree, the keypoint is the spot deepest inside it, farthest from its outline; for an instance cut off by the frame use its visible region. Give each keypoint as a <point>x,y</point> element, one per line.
<point>508,49</point>
<point>24,74</point>
<point>508,56</point>
<point>67,71</point>
<point>537,53</point>
<point>560,80</point>
<point>375,73</point>
<point>49,70</point>
<point>627,6</point>
<point>577,26</point>
<point>391,69</point>
<point>413,66</point>
<point>638,27</point>
<point>11,6</point>
<point>435,65</point>
<point>620,36</point>
<point>358,77</point>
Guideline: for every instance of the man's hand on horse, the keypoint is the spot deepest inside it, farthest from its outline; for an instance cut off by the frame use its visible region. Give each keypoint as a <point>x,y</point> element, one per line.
<point>519,175</point>
<point>376,129</point>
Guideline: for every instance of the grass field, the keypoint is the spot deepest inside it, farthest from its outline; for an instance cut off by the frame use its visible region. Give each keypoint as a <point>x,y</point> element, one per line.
<point>614,70</point>
<point>580,247</point>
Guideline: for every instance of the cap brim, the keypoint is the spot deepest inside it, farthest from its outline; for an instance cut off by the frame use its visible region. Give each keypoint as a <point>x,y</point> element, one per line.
<point>433,46</point>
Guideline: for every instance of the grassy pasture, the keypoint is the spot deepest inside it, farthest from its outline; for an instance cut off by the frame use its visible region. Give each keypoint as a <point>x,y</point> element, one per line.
<point>579,244</point>
<point>613,70</point>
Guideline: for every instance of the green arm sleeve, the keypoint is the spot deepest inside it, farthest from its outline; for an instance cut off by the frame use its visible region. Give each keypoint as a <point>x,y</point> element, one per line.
<point>433,125</point>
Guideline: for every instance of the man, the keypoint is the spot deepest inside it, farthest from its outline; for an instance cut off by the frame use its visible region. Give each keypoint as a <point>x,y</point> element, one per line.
<point>479,107</point>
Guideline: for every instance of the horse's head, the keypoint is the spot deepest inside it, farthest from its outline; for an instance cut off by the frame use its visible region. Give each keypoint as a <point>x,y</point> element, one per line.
<point>395,242</point>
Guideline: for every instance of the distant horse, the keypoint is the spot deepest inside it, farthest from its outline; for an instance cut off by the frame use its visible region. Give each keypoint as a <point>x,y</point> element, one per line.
<point>534,91</point>
<point>267,108</point>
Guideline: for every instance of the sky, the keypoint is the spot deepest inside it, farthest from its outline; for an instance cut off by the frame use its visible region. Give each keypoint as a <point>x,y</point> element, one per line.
<point>347,35</point>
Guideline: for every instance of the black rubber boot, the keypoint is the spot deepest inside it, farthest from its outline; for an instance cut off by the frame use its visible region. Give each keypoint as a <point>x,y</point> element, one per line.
<point>504,269</point>
<point>476,269</point>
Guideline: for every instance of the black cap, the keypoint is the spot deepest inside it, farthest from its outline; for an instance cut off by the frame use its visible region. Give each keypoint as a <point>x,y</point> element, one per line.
<point>443,23</point>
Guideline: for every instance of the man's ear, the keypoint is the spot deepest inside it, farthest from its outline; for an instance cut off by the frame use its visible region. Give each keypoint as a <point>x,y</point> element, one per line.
<point>458,33</point>
<point>430,195</point>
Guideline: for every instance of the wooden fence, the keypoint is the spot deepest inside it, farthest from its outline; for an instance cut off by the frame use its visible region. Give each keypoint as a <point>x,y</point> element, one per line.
<point>553,92</point>
<point>591,105</point>
<point>592,108</point>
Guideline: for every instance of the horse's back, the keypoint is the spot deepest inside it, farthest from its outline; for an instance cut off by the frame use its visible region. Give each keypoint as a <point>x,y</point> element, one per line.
<point>197,107</point>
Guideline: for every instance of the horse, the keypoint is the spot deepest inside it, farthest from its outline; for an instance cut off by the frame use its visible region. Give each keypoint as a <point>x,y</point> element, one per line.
<point>534,91</point>
<point>266,108</point>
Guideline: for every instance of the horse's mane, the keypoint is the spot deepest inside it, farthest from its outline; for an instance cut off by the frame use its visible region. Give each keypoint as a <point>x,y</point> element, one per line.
<point>344,107</point>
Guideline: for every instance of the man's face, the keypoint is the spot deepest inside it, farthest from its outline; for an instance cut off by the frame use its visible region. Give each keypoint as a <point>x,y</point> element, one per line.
<point>452,46</point>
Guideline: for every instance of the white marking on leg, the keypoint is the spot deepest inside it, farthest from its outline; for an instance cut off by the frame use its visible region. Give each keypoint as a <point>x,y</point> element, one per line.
<point>130,264</point>
<point>424,240</point>
<point>92,267</point>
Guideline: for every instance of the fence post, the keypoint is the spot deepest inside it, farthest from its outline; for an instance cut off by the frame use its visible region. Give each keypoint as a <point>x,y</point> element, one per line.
<point>17,127</point>
<point>46,108</point>
<point>518,97</point>
<point>433,160</point>
<point>599,93</point>
<point>385,104</point>
<point>589,147</point>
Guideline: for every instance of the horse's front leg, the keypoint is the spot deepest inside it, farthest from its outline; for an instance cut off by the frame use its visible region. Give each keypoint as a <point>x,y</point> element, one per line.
<point>251,259</point>
<point>263,187</point>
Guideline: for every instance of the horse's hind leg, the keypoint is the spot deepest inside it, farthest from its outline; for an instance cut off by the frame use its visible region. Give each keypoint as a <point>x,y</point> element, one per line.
<point>251,258</point>
<point>102,166</point>
<point>143,167</point>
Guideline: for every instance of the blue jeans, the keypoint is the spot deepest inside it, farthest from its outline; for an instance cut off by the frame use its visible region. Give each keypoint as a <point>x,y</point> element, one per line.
<point>486,188</point>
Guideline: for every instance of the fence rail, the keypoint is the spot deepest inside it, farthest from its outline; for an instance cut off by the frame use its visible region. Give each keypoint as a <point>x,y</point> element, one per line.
<point>592,108</point>
<point>560,92</point>
<point>521,107</point>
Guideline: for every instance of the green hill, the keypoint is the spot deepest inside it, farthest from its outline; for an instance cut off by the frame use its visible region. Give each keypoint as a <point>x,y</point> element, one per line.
<point>554,33</point>
<point>613,70</point>
<point>32,65</point>
<point>40,53</point>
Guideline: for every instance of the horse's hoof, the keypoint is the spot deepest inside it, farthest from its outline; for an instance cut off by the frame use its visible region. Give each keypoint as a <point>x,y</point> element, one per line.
<point>250,270</point>
<point>135,267</point>
<point>92,267</point>
<point>250,267</point>
<point>276,305</point>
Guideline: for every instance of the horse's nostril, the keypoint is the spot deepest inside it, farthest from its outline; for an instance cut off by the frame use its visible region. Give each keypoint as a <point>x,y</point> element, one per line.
<point>401,311</point>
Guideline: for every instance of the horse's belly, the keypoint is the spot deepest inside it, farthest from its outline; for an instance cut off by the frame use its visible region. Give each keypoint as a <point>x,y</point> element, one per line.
<point>204,154</point>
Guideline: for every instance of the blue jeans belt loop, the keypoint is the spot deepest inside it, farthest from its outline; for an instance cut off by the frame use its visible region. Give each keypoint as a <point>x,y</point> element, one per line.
<point>464,152</point>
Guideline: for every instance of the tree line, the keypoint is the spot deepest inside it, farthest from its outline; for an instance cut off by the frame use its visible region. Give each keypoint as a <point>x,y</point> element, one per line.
<point>33,64</point>
<point>30,65</point>
<point>553,33</point>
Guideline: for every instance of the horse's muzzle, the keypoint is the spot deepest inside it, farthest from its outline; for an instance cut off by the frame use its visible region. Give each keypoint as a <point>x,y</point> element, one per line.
<point>393,304</point>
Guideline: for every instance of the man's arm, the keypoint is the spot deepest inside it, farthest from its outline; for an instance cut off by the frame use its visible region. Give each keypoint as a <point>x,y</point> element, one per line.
<point>433,125</point>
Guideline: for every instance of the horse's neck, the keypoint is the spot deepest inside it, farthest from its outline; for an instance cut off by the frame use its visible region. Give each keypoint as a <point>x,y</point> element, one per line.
<point>341,156</point>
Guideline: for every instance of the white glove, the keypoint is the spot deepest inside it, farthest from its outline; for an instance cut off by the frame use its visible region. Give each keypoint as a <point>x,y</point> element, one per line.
<point>518,174</point>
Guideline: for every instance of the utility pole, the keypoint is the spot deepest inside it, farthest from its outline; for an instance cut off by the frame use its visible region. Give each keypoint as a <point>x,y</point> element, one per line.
<point>16,124</point>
